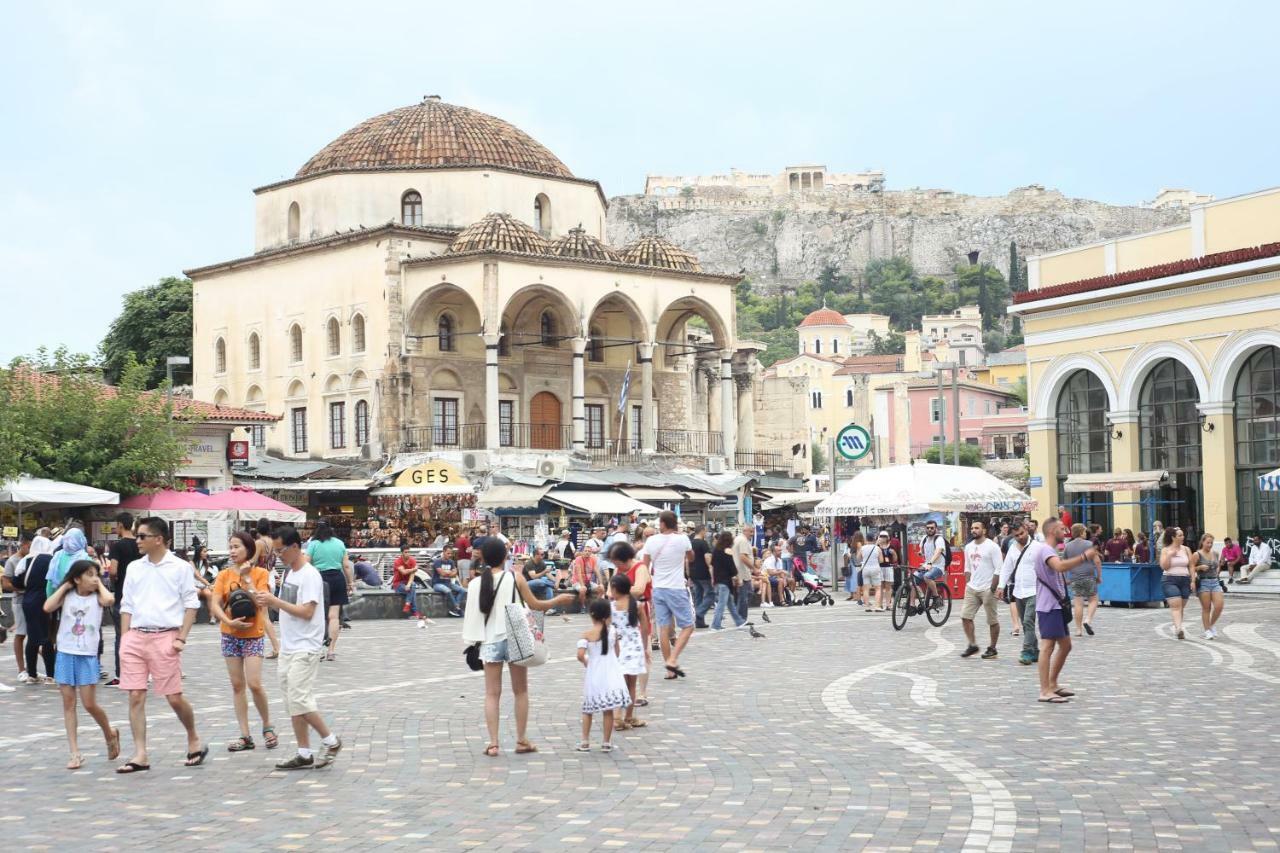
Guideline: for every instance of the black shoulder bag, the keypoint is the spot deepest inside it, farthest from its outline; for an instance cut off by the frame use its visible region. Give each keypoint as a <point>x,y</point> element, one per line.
<point>472,652</point>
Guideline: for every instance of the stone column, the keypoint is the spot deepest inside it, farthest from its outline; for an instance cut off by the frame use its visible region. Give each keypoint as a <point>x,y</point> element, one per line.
<point>491,430</point>
<point>728,406</point>
<point>746,412</point>
<point>1042,440</point>
<point>1218,467</point>
<point>713,400</point>
<point>1125,458</point>
<point>579,391</point>
<point>648,439</point>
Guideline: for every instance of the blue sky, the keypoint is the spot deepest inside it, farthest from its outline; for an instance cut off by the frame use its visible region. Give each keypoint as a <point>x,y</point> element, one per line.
<point>133,133</point>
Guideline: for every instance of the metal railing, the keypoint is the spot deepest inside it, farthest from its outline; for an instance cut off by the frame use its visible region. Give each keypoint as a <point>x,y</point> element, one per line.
<point>683,442</point>
<point>758,460</point>
<point>463,437</point>
<point>614,451</point>
<point>535,436</point>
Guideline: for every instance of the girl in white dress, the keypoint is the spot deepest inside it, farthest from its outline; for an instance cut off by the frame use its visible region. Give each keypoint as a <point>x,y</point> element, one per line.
<point>603,688</point>
<point>628,620</point>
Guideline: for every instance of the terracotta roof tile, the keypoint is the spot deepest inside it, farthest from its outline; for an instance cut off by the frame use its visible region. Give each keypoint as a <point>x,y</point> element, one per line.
<point>196,409</point>
<point>499,232</point>
<point>824,317</point>
<point>653,251</point>
<point>1187,265</point>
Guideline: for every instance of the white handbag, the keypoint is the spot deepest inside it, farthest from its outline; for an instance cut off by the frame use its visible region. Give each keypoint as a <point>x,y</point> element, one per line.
<point>526,642</point>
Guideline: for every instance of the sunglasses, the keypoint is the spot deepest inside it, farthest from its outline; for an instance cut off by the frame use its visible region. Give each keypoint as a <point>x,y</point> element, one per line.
<point>147,536</point>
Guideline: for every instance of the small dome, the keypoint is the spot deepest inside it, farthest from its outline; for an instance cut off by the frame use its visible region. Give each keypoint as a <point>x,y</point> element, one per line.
<point>824,317</point>
<point>433,134</point>
<point>499,232</point>
<point>579,244</point>
<point>653,251</point>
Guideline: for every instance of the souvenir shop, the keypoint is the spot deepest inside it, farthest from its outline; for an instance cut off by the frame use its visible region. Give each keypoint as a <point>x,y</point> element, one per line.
<point>421,503</point>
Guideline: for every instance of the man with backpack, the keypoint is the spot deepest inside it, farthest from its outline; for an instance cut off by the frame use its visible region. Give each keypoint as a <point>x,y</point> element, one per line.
<point>936,552</point>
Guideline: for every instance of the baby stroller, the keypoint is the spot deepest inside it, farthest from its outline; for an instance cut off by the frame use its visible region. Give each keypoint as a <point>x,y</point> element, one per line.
<point>815,592</point>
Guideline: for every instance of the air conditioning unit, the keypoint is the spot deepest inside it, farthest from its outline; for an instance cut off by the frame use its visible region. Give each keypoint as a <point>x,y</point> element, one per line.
<point>552,469</point>
<point>475,461</point>
<point>715,464</point>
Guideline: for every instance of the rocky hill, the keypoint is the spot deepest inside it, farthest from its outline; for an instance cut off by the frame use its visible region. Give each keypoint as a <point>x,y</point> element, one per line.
<point>788,240</point>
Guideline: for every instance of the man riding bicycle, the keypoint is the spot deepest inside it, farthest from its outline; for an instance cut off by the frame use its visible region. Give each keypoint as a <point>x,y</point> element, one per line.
<point>934,550</point>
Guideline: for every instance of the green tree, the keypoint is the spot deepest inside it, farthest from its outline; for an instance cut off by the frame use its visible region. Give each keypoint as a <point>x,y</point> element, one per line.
<point>970,455</point>
<point>1019,390</point>
<point>894,289</point>
<point>893,343</point>
<point>818,456</point>
<point>62,422</point>
<point>155,323</point>
<point>983,285</point>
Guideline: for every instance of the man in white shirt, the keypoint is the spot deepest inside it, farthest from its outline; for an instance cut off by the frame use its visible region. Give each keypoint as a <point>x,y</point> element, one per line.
<point>302,624</point>
<point>1018,575</point>
<point>982,561</point>
<point>157,609</point>
<point>1259,558</point>
<point>667,553</point>
<point>933,548</point>
<point>744,558</point>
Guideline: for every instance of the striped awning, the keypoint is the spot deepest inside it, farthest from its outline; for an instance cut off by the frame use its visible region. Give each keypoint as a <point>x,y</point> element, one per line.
<point>1270,482</point>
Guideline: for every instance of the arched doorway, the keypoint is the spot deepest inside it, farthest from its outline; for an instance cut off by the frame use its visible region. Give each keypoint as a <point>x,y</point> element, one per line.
<point>544,421</point>
<point>1084,444</point>
<point>1169,440</point>
<point>1257,417</point>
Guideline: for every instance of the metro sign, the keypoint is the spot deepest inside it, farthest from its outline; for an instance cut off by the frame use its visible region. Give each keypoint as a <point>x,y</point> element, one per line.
<point>853,442</point>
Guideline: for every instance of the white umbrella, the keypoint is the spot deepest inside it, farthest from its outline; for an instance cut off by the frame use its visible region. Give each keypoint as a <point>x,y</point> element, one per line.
<point>920,487</point>
<point>37,493</point>
<point>1270,482</point>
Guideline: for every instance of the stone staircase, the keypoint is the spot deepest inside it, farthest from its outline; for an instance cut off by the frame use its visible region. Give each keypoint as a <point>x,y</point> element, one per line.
<point>1263,583</point>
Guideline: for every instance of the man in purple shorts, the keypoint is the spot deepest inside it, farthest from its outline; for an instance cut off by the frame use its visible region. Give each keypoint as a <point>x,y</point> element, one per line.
<point>1051,609</point>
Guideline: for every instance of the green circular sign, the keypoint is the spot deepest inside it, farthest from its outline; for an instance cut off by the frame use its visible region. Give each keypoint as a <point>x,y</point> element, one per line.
<point>853,442</point>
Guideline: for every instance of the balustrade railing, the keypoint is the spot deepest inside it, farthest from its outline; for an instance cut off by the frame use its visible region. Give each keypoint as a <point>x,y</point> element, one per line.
<point>683,442</point>
<point>758,460</point>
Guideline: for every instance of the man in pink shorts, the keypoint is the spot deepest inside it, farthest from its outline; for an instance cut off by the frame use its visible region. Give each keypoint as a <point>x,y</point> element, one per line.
<point>157,609</point>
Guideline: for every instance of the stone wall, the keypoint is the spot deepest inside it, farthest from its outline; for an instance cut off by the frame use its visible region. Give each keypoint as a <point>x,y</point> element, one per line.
<point>785,241</point>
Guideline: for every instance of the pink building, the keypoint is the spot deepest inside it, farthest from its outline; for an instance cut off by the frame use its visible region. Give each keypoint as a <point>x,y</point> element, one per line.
<point>911,410</point>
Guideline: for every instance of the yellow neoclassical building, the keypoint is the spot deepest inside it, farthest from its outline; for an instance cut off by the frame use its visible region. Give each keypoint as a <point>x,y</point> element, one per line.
<point>434,279</point>
<point>1161,351</point>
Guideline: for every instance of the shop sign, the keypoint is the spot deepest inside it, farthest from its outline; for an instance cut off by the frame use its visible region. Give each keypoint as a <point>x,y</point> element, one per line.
<point>205,454</point>
<point>238,453</point>
<point>10,532</point>
<point>1035,482</point>
<point>853,442</point>
<point>431,474</point>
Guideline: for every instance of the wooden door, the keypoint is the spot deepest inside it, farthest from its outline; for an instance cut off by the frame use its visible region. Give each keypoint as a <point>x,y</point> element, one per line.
<point>544,420</point>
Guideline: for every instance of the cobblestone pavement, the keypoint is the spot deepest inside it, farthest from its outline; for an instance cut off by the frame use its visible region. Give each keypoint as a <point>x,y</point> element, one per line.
<point>833,732</point>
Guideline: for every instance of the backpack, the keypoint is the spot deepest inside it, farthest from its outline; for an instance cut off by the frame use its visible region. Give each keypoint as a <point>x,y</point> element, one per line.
<point>946,551</point>
<point>241,605</point>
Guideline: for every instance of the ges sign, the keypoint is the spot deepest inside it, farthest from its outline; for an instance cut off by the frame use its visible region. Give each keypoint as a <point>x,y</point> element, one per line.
<point>430,474</point>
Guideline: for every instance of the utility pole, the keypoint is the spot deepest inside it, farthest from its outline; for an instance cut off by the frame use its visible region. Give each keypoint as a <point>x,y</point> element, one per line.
<point>942,416</point>
<point>955,408</point>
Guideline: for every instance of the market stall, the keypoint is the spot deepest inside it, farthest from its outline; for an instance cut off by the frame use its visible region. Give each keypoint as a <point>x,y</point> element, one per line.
<point>248,505</point>
<point>421,503</point>
<point>1122,583</point>
<point>190,515</point>
<point>25,500</point>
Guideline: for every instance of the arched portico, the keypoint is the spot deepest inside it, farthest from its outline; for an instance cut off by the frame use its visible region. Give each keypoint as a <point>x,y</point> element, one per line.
<point>1139,366</point>
<point>691,331</point>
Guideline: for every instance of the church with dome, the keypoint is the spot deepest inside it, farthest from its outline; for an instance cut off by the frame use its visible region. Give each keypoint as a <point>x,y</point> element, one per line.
<point>436,280</point>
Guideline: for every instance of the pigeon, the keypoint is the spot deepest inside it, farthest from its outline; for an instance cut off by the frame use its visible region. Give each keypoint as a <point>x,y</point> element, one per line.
<point>765,617</point>
<point>751,629</point>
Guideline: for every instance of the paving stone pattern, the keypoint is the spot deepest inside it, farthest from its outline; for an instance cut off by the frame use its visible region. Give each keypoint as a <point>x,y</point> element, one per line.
<point>834,732</point>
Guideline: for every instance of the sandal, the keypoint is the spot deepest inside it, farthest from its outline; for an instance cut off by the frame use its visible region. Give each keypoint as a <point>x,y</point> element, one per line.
<point>622,726</point>
<point>638,724</point>
<point>523,747</point>
<point>240,744</point>
<point>1056,700</point>
<point>272,656</point>
<point>195,759</point>
<point>113,745</point>
<point>269,737</point>
<point>132,767</point>
<point>1064,692</point>
<point>642,702</point>
<point>582,747</point>
<point>76,762</point>
<point>491,750</point>
<point>606,747</point>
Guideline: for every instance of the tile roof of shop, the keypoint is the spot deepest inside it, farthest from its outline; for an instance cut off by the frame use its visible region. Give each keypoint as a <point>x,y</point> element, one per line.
<point>182,406</point>
<point>1187,265</point>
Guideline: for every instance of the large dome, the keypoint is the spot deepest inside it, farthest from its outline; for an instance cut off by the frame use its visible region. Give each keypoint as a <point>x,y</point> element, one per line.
<point>433,134</point>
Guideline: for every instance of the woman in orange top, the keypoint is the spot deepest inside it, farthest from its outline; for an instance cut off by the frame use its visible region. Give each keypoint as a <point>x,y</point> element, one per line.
<point>242,635</point>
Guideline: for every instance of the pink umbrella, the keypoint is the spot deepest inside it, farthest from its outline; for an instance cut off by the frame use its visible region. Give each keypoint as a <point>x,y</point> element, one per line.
<point>168,500</point>
<point>250,505</point>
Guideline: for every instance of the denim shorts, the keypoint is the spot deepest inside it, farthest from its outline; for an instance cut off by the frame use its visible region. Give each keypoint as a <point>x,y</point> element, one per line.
<point>1210,585</point>
<point>1084,588</point>
<point>672,605</point>
<point>75,670</point>
<point>934,574</point>
<point>1176,586</point>
<point>494,652</point>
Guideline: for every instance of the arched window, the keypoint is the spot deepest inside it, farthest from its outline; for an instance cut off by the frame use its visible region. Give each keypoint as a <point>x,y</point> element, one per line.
<point>295,343</point>
<point>595,345</point>
<point>1257,415</point>
<point>357,333</point>
<point>542,215</point>
<point>333,337</point>
<point>504,341</point>
<point>411,208</point>
<point>848,397</point>
<point>817,346</point>
<point>444,333</point>
<point>835,346</point>
<point>1169,440</point>
<point>547,329</point>
<point>1084,442</point>
<point>295,222</point>
<point>219,356</point>
<point>255,352</point>
<point>362,422</point>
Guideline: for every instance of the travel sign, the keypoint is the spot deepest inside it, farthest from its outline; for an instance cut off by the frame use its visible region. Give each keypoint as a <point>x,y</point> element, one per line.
<point>853,442</point>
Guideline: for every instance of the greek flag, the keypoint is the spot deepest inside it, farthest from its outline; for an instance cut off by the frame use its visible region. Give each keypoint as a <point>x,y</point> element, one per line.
<point>1270,482</point>
<point>626,388</point>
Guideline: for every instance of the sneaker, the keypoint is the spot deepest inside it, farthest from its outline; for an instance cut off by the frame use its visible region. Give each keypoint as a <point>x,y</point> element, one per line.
<point>457,613</point>
<point>346,626</point>
<point>970,652</point>
<point>4,688</point>
<point>990,653</point>
<point>296,763</point>
<point>422,623</point>
<point>1181,634</point>
<point>1207,635</point>
<point>406,608</point>
<point>1026,660</point>
<point>328,754</point>
<point>699,623</point>
<point>1214,632</point>
<point>23,678</point>
<point>115,682</point>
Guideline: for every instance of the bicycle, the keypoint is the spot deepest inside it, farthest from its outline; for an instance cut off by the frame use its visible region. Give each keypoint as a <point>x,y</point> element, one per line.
<point>936,606</point>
